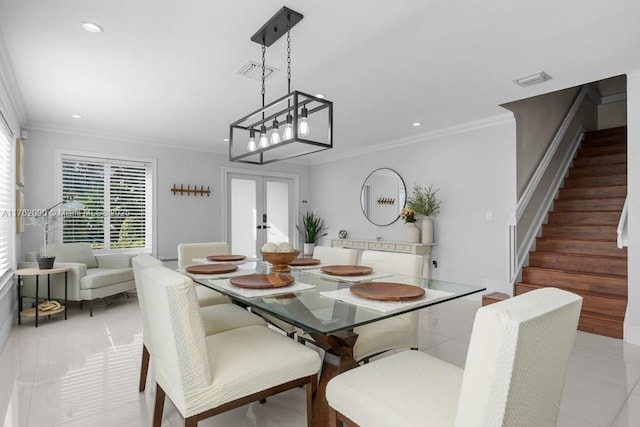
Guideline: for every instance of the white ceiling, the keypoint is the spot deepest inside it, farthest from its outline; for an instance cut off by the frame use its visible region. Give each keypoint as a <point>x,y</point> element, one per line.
<point>164,71</point>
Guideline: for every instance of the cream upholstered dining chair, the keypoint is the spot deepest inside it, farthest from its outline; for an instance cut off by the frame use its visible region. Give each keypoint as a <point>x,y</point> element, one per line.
<point>514,374</point>
<point>395,332</point>
<point>186,254</point>
<point>207,375</point>
<point>328,256</point>
<point>335,256</point>
<point>216,318</point>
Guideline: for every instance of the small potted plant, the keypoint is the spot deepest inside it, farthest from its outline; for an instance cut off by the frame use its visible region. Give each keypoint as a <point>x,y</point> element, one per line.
<point>424,202</point>
<point>312,229</point>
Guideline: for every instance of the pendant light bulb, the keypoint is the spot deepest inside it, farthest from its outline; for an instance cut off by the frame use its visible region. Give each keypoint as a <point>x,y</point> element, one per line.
<point>275,134</point>
<point>303,125</point>
<point>264,143</point>
<point>287,132</point>
<point>251,145</point>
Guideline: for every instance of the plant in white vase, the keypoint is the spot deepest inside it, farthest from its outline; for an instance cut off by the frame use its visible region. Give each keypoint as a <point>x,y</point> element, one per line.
<point>313,228</point>
<point>424,202</point>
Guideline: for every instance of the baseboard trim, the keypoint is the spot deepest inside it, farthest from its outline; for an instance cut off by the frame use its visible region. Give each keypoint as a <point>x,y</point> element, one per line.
<point>631,334</point>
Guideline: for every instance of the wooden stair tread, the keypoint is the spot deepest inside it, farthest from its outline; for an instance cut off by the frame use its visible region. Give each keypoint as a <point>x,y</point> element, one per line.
<point>603,257</point>
<point>581,292</point>
<point>559,270</point>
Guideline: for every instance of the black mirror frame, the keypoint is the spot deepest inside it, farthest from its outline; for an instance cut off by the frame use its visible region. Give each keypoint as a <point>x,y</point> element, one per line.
<point>361,197</point>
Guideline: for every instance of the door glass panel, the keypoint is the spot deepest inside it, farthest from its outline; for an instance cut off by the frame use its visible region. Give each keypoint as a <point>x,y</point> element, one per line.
<point>243,216</point>
<point>277,208</point>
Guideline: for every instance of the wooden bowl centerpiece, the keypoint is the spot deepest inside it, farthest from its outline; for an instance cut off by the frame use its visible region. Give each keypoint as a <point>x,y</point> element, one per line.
<point>280,260</point>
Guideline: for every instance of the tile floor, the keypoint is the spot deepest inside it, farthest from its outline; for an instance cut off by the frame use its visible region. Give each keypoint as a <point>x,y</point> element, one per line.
<point>84,372</point>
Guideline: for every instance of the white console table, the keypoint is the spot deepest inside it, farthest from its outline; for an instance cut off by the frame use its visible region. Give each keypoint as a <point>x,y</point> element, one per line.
<point>423,249</point>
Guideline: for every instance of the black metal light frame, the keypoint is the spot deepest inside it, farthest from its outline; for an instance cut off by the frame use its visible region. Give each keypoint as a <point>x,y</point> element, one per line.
<point>319,111</point>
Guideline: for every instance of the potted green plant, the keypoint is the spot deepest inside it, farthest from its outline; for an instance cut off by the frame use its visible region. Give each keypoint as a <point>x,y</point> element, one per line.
<point>424,202</point>
<point>312,229</point>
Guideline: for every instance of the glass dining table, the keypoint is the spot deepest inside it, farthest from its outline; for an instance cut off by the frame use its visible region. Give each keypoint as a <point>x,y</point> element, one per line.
<point>321,306</point>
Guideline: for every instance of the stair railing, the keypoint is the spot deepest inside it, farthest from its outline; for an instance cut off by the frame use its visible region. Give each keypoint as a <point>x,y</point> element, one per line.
<point>623,226</point>
<point>518,252</point>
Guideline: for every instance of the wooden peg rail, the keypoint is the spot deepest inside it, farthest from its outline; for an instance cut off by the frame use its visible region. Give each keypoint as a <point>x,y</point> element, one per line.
<point>386,201</point>
<point>195,190</point>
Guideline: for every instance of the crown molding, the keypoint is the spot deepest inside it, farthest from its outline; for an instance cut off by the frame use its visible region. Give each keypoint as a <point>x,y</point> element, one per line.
<point>307,161</point>
<point>616,97</point>
<point>423,137</point>
<point>9,90</point>
<point>49,127</point>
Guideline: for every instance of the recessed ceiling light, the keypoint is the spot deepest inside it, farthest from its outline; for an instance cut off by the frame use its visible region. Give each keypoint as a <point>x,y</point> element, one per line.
<point>321,95</point>
<point>226,140</point>
<point>92,27</point>
<point>416,124</point>
<point>76,116</point>
<point>533,79</point>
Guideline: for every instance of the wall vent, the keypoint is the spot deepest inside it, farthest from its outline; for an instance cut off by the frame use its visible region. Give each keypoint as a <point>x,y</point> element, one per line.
<point>253,70</point>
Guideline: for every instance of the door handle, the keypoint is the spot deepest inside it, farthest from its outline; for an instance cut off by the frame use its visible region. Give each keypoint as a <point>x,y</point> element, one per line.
<point>259,227</point>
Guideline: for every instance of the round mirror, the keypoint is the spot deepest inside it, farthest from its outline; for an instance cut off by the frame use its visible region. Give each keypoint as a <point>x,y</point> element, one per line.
<point>383,196</point>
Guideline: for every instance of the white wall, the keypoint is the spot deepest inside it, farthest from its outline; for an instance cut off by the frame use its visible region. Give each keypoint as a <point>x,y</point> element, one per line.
<point>179,218</point>
<point>537,121</point>
<point>475,172</point>
<point>632,318</point>
<point>612,114</point>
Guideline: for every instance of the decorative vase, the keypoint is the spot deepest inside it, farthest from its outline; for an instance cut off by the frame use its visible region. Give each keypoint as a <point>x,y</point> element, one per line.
<point>413,233</point>
<point>308,248</point>
<point>427,230</point>
<point>46,262</point>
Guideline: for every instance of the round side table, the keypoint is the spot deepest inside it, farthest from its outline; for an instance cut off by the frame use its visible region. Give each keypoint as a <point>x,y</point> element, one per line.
<point>34,311</point>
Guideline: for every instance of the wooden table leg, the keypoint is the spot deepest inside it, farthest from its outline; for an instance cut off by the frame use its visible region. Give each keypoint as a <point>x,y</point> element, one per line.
<point>338,358</point>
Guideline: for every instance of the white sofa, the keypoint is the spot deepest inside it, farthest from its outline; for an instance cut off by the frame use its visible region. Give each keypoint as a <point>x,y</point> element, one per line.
<point>89,278</point>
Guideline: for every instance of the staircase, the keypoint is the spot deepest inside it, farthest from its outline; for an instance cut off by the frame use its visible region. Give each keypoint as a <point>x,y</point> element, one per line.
<point>577,250</point>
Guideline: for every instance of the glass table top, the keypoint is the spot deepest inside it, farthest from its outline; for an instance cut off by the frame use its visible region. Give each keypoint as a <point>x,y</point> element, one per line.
<point>314,312</point>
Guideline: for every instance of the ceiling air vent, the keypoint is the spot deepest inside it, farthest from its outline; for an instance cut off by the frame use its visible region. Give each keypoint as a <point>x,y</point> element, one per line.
<point>253,70</point>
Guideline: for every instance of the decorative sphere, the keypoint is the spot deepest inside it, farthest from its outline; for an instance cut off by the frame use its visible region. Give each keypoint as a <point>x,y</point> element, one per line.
<point>285,247</point>
<point>269,247</point>
<point>342,234</point>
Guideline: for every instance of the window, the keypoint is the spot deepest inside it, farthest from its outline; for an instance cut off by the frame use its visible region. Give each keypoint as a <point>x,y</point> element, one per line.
<point>116,195</point>
<point>6,204</point>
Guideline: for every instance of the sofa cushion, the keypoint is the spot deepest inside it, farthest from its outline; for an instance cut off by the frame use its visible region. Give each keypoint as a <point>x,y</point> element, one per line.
<point>72,252</point>
<point>100,277</point>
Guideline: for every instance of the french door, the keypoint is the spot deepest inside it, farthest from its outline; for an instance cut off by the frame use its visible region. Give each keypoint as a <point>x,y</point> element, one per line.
<point>259,210</point>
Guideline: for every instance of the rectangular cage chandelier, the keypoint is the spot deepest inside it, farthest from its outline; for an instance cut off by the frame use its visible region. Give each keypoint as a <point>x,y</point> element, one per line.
<point>294,125</point>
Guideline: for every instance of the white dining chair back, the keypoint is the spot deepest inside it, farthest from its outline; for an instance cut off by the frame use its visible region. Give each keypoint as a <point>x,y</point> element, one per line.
<point>393,262</point>
<point>176,329</point>
<point>216,318</point>
<point>335,256</point>
<point>514,373</point>
<point>206,375</point>
<point>140,262</point>
<point>396,332</point>
<point>517,359</point>
<point>188,251</point>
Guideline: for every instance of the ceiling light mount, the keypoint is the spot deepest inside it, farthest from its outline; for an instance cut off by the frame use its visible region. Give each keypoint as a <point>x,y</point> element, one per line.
<point>284,20</point>
<point>291,126</point>
<point>533,79</point>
